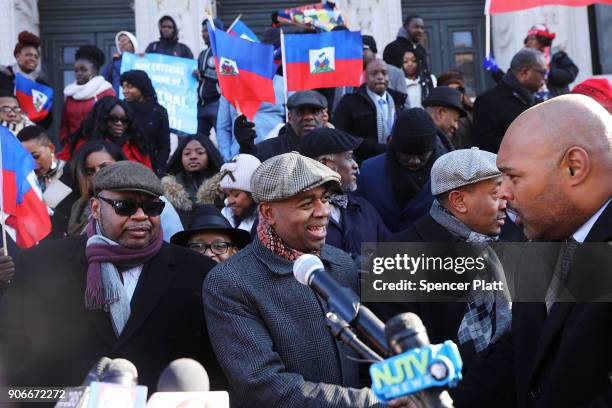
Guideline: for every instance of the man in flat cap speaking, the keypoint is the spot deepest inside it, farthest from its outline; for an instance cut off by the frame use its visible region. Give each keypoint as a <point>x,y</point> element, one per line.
<point>267,329</point>
<point>119,291</point>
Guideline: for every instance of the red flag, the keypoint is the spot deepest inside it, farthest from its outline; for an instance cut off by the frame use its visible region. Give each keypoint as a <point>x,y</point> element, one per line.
<point>504,6</point>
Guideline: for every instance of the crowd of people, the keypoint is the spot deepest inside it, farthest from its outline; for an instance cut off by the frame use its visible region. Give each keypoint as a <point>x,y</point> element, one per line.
<point>157,254</point>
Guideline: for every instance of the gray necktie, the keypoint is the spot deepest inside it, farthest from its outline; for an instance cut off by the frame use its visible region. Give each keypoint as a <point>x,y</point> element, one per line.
<point>562,268</point>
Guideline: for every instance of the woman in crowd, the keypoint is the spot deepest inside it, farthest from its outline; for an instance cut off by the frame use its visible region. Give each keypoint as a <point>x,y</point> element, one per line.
<point>27,56</point>
<point>240,208</point>
<point>151,119</point>
<point>53,175</point>
<point>85,91</point>
<point>418,87</point>
<point>91,158</point>
<point>463,136</point>
<point>190,175</point>
<point>112,120</point>
<point>11,115</point>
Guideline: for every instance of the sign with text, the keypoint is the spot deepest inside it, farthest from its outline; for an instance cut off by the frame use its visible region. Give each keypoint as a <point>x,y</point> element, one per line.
<point>174,84</point>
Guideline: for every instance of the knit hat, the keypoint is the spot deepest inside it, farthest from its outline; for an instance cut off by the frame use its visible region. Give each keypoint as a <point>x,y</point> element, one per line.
<point>414,132</point>
<point>462,167</point>
<point>286,175</point>
<point>369,42</point>
<point>542,31</point>
<point>236,174</point>
<point>140,80</point>
<point>598,89</point>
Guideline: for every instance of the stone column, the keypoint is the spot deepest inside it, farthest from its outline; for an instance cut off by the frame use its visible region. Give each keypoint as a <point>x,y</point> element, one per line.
<point>188,15</point>
<point>16,16</point>
<point>378,18</point>
<point>569,23</point>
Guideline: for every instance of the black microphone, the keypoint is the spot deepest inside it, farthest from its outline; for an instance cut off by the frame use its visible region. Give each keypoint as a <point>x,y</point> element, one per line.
<point>120,371</point>
<point>183,375</point>
<point>96,370</point>
<point>405,332</point>
<point>308,270</point>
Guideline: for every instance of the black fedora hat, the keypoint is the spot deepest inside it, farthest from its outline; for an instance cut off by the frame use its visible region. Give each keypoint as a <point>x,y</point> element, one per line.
<point>447,97</point>
<point>208,218</point>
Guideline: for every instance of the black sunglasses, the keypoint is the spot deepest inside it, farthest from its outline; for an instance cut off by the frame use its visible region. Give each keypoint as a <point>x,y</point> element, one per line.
<point>115,119</point>
<point>217,248</point>
<point>127,208</point>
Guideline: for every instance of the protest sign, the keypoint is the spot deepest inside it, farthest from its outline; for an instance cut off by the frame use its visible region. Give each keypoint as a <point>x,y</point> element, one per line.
<point>174,84</point>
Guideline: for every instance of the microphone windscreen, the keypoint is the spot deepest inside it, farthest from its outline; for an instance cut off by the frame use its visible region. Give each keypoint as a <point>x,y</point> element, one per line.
<point>304,266</point>
<point>183,375</point>
<point>96,370</point>
<point>405,331</point>
<point>120,371</point>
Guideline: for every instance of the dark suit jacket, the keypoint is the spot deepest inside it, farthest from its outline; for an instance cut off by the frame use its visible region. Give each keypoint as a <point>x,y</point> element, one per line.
<point>47,337</point>
<point>356,114</point>
<point>562,359</point>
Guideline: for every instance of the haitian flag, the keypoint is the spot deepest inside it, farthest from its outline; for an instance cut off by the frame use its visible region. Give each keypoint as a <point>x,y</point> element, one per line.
<point>35,99</point>
<point>324,60</point>
<point>244,69</point>
<point>238,28</point>
<point>504,6</point>
<point>21,203</point>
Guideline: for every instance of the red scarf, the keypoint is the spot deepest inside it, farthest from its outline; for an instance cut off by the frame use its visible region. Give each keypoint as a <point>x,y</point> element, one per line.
<point>270,239</point>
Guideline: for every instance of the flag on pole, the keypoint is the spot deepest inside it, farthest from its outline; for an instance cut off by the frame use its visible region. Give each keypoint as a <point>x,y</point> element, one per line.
<point>504,6</point>
<point>324,60</point>
<point>245,70</point>
<point>239,29</point>
<point>322,16</point>
<point>35,99</point>
<point>21,202</point>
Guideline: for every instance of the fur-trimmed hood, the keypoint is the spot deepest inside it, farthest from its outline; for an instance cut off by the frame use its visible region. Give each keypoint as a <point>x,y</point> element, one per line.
<point>208,193</point>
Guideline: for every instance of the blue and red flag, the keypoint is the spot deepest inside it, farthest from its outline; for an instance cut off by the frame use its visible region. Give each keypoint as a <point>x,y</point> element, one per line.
<point>35,99</point>
<point>324,60</point>
<point>245,70</point>
<point>239,29</point>
<point>25,211</point>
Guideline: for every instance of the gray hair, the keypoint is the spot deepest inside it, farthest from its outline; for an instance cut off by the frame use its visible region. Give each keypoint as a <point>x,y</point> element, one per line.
<point>526,58</point>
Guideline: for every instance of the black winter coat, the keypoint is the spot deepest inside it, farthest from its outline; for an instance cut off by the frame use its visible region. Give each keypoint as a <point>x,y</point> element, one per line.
<point>151,119</point>
<point>48,337</point>
<point>394,53</point>
<point>494,111</point>
<point>356,114</point>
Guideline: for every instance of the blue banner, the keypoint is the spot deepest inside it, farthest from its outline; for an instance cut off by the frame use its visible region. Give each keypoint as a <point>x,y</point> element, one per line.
<point>175,85</point>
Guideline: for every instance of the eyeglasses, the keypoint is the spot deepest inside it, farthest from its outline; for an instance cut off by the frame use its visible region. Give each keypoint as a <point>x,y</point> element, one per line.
<point>115,119</point>
<point>127,208</point>
<point>7,109</point>
<point>217,248</point>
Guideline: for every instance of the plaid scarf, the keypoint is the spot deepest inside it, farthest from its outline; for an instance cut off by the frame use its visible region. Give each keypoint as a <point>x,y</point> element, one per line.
<point>270,239</point>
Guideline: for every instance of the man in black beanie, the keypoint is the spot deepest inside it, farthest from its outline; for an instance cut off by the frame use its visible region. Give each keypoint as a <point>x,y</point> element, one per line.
<point>396,182</point>
<point>150,118</point>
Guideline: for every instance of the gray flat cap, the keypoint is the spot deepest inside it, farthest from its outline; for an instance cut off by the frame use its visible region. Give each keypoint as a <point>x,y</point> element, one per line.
<point>462,167</point>
<point>286,175</point>
<point>128,176</point>
<point>312,99</point>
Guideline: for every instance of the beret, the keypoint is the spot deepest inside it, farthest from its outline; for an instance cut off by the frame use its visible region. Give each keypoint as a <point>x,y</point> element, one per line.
<point>462,167</point>
<point>327,141</point>
<point>128,176</point>
<point>286,175</point>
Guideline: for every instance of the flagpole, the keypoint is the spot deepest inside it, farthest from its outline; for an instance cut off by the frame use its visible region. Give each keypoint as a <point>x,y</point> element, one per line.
<point>233,23</point>
<point>2,221</point>
<point>487,30</point>
<point>284,62</point>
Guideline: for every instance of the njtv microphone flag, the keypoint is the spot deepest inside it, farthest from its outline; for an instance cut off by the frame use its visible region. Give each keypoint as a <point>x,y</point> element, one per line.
<point>324,60</point>
<point>245,70</point>
<point>26,213</point>
<point>504,6</point>
<point>35,99</point>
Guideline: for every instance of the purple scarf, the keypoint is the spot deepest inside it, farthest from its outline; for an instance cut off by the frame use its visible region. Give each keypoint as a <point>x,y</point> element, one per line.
<point>97,254</point>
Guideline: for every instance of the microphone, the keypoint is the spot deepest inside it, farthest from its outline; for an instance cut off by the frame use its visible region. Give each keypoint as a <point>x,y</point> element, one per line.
<point>183,375</point>
<point>96,370</point>
<point>418,369</point>
<point>120,371</point>
<point>309,270</point>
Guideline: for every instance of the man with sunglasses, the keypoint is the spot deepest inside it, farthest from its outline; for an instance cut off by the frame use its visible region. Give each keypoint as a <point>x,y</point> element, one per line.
<point>495,109</point>
<point>118,291</point>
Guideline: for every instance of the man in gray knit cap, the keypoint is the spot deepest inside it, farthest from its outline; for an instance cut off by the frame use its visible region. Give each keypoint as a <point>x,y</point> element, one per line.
<point>267,329</point>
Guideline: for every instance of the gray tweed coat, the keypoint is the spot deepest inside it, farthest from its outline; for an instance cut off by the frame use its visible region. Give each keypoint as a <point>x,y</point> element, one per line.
<point>269,334</point>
